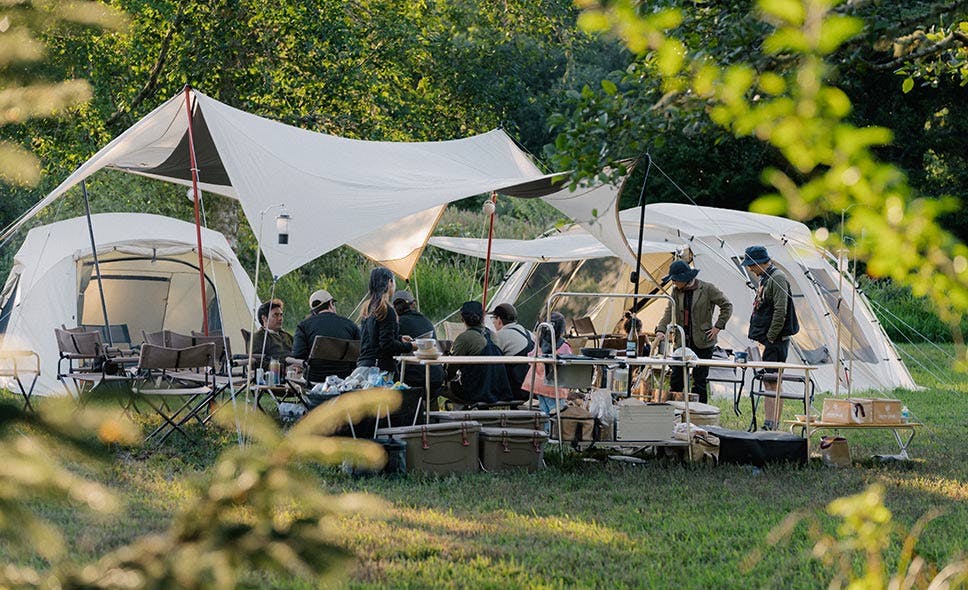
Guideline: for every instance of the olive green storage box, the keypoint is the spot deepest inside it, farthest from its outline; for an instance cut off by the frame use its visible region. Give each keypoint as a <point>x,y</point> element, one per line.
<point>527,419</point>
<point>451,447</point>
<point>504,449</point>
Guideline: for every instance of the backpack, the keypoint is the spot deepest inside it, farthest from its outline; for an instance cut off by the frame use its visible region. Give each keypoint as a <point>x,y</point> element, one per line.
<point>483,383</point>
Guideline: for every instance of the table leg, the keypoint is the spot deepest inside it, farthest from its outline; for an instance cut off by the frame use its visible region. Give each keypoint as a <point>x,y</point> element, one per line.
<point>427,388</point>
<point>903,444</point>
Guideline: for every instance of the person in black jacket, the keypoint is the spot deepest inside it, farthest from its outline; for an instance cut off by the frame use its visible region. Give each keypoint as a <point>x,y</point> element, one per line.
<point>323,321</point>
<point>774,319</point>
<point>381,339</point>
<point>416,325</point>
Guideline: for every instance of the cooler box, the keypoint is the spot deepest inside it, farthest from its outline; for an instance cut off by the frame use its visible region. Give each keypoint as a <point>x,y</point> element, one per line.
<point>700,414</point>
<point>645,422</point>
<point>503,449</point>
<point>527,419</point>
<point>451,447</point>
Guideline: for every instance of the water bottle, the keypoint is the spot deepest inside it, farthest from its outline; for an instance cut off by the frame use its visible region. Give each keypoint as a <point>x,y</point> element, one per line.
<point>274,372</point>
<point>632,343</point>
<point>905,414</point>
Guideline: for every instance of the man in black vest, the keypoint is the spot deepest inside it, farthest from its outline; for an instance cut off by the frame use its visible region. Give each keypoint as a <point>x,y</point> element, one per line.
<point>774,317</point>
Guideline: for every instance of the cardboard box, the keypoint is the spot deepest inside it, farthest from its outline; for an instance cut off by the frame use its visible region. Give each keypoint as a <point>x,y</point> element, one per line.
<point>439,448</point>
<point>836,411</point>
<point>862,411</point>
<point>887,411</point>
<point>645,422</point>
<point>504,449</point>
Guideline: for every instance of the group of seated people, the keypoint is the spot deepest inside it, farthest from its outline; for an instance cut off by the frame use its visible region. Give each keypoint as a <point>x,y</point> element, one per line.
<point>390,323</point>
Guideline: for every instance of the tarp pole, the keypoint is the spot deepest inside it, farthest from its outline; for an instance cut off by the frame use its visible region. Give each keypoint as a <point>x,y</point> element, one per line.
<point>97,266</point>
<point>635,276</point>
<point>490,238</point>
<point>198,221</point>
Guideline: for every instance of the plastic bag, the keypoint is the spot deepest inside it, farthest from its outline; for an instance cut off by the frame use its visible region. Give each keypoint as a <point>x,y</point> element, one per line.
<point>600,406</point>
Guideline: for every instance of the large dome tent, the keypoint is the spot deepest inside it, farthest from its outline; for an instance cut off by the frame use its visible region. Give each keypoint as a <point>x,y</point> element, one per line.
<point>149,270</point>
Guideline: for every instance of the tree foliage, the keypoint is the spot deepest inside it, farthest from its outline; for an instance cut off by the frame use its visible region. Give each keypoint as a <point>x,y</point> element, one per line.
<point>258,509</point>
<point>784,95</point>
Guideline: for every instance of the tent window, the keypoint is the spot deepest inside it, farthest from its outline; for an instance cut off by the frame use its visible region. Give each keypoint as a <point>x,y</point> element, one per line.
<point>147,294</point>
<point>853,341</point>
<point>8,302</point>
<point>545,279</point>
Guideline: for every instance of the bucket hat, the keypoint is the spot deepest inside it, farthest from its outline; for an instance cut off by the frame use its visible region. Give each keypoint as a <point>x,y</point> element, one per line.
<point>756,255</point>
<point>680,272</point>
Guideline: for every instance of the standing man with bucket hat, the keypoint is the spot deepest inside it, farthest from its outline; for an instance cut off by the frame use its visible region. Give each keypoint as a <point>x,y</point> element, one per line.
<point>695,302</point>
<point>774,317</point>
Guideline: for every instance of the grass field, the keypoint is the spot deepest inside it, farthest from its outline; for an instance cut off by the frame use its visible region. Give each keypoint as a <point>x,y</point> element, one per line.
<point>591,524</point>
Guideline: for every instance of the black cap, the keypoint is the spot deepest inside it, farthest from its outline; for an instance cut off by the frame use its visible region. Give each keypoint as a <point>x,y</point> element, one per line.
<point>472,308</point>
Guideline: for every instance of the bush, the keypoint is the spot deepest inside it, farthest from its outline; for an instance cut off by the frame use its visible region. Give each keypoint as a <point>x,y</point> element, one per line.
<point>906,318</point>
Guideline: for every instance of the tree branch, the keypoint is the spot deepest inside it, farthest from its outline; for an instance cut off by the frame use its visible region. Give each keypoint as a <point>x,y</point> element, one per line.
<point>940,46</point>
<point>152,82</point>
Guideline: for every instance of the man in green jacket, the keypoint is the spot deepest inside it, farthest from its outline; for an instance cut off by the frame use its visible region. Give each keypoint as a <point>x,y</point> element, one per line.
<point>774,317</point>
<point>695,302</point>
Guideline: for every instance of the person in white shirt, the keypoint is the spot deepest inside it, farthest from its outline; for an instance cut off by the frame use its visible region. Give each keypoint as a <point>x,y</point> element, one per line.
<point>513,340</point>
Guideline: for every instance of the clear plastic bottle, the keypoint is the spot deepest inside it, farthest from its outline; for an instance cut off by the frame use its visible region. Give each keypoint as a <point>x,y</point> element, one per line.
<point>905,414</point>
<point>632,342</point>
<point>273,377</point>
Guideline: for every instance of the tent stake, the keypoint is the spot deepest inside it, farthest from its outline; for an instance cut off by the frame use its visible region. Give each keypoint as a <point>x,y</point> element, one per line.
<point>198,222</point>
<point>97,266</point>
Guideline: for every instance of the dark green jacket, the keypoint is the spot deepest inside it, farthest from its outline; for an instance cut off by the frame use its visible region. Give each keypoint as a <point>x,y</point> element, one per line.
<point>774,315</point>
<point>706,297</point>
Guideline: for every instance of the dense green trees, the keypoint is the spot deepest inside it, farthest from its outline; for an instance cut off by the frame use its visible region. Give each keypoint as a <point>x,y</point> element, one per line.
<point>785,83</point>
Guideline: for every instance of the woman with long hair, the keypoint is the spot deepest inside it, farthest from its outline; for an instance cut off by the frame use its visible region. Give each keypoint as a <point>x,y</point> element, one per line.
<point>381,339</point>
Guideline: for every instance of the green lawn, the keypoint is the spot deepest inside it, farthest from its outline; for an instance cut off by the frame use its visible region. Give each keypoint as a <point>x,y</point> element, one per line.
<point>593,524</point>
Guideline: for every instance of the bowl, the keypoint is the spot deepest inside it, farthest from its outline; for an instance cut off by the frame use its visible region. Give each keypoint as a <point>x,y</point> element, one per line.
<point>426,344</point>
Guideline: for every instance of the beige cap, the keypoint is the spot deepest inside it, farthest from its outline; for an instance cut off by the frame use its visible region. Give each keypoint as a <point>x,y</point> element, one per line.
<point>319,298</point>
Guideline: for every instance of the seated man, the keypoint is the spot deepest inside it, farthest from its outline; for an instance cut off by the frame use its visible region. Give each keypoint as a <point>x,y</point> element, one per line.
<point>271,341</point>
<point>323,321</point>
<point>486,383</point>
<point>513,340</point>
<point>416,325</point>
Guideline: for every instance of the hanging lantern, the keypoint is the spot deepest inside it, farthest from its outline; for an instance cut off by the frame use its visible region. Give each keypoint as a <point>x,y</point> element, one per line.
<point>282,227</point>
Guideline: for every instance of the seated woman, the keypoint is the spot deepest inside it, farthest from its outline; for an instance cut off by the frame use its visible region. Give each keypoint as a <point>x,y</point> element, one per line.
<point>381,339</point>
<point>487,383</point>
<point>549,399</point>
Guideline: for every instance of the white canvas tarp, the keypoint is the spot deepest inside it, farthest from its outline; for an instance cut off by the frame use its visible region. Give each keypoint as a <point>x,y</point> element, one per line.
<point>382,198</point>
<point>149,267</point>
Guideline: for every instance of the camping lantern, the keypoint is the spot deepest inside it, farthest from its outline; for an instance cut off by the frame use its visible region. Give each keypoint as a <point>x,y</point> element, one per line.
<point>282,227</point>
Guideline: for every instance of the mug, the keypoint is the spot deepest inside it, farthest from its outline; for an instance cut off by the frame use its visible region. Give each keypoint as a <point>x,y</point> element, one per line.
<point>741,357</point>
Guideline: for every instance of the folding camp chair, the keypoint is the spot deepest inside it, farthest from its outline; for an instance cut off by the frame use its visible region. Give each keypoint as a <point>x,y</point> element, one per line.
<point>758,388</point>
<point>89,363</point>
<point>20,366</point>
<point>584,327</point>
<point>731,376</point>
<point>328,356</point>
<point>166,373</point>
